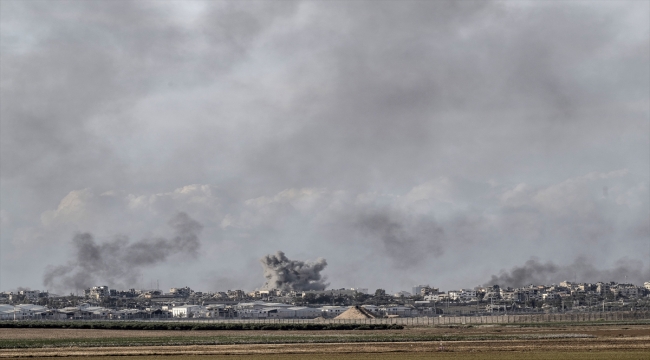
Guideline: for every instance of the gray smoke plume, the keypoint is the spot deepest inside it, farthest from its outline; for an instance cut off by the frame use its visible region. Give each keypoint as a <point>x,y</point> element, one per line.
<point>119,262</point>
<point>538,273</point>
<point>406,239</point>
<point>293,275</point>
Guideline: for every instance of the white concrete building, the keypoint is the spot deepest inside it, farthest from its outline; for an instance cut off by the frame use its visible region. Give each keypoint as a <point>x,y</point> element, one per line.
<point>185,310</point>
<point>432,297</point>
<point>462,295</point>
<point>30,295</point>
<point>467,294</point>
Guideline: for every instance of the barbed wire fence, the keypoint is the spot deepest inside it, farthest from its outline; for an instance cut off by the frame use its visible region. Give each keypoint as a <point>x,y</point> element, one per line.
<point>607,316</point>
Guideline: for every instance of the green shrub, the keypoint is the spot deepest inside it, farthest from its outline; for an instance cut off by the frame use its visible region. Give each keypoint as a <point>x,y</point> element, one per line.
<point>141,325</point>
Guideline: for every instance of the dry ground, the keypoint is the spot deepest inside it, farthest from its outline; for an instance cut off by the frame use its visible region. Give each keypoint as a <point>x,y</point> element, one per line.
<point>616,341</point>
<point>609,355</point>
<point>598,331</point>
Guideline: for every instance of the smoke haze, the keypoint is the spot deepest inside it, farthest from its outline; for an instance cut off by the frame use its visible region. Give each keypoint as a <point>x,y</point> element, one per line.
<point>119,262</point>
<point>293,275</point>
<point>389,137</point>
<point>581,270</point>
<point>405,238</point>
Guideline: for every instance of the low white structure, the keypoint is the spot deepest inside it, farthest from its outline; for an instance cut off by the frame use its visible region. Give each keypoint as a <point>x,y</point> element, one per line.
<point>22,311</point>
<point>373,309</point>
<point>303,312</point>
<point>185,310</point>
<point>127,314</point>
<point>260,309</point>
<point>260,305</point>
<point>400,310</point>
<point>95,312</point>
<point>251,313</point>
<point>8,312</point>
<point>333,311</point>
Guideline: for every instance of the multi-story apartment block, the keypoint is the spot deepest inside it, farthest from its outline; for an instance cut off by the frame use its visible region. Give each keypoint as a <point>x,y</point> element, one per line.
<point>181,292</point>
<point>603,288</point>
<point>97,292</point>
<point>462,295</point>
<point>32,295</point>
<point>510,294</point>
<point>424,290</point>
<point>568,284</point>
<point>492,292</point>
<point>531,293</point>
<point>550,296</point>
<point>236,294</point>
<point>627,290</point>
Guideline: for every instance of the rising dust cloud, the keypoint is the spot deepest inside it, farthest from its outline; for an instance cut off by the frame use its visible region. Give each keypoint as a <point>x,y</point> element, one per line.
<point>293,275</point>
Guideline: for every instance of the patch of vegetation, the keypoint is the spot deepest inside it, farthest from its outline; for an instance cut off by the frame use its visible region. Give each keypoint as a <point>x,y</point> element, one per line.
<point>262,339</point>
<point>599,322</point>
<point>134,325</point>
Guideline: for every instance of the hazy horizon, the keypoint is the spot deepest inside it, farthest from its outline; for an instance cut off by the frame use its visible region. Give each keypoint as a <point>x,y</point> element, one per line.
<point>450,143</point>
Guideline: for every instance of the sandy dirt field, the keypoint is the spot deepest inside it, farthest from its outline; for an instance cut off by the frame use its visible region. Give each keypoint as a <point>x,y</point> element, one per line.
<point>634,339</point>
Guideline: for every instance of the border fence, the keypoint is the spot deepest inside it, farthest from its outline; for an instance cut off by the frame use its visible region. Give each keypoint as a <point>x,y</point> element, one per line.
<point>614,316</point>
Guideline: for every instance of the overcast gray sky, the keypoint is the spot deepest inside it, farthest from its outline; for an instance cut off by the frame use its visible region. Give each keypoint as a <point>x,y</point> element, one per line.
<point>405,142</point>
